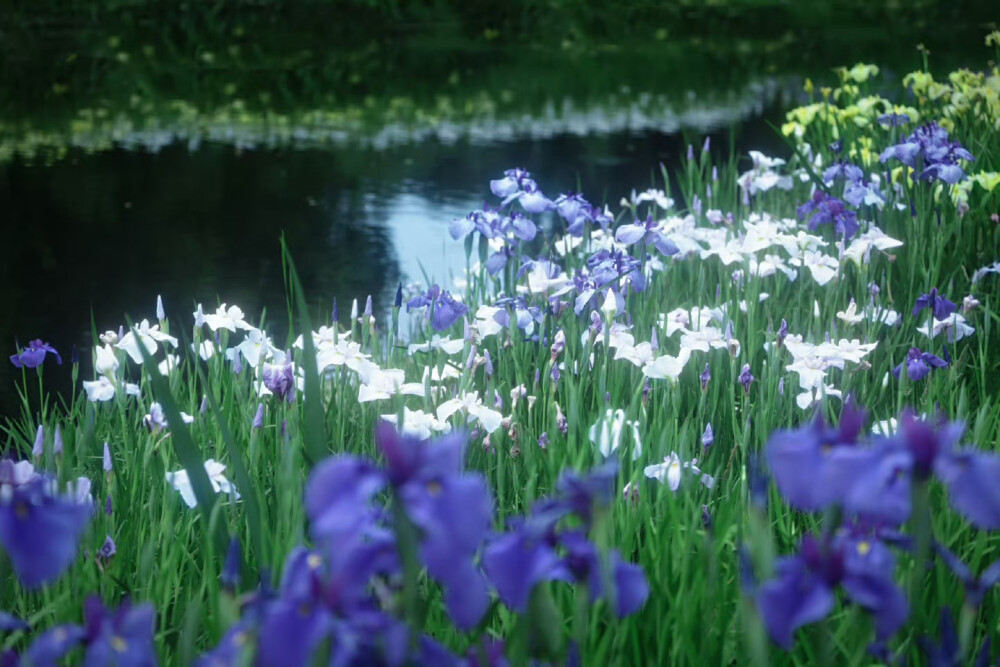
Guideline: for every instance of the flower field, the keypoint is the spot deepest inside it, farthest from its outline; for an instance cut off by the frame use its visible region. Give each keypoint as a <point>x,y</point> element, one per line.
<point>757,427</point>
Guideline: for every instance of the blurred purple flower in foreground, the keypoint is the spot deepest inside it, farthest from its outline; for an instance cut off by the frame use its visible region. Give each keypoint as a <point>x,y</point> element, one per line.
<point>40,530</point>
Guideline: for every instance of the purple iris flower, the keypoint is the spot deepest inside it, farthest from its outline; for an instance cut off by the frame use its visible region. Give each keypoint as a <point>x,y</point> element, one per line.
<point>939,304</point>
<point>918,364</point>
<point>534,550</point>
<point>230,576</point>
<point>34,355</point>
<point>513,180</point>
<point>11,623</point>
<point>782,332</point>
<point>893,119</point>
<point>607,266</point>
<point>49,648</point>
<point>842,169</point>
<point>857,193</point>
<point>258,418</point>
<point>524,315</point>
<point>108,549</point>
<point>518,184</point>
<point>929,151</point>
<point>648,232</point>
<point>491,223</point>
<point>531,199</point>
<point>106,460</point>
<point>947,652</point>
<point>823,209</point>
<point>579,493</point>
<point>524,556</point>
<point>583,561</point>
<point>746,378</point>
<point>708,437</point>
<point>230,649</point>
<point>452,510</point>
<point>40,531</point>
<point>498,260</point>
<point>280,380</point>
<point>338,498</point>
<point>803,588</point>
<point>120,637</point>
<point>575,210</point>
<point>705,377</point>
<point>805,463</point>
<point>881,475</point>
<point>443,309</point>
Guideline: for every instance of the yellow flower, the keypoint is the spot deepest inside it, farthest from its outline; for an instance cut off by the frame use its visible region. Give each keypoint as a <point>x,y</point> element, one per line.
<point>987,180</point>
<point>793,129</point>
<point>919,81</point>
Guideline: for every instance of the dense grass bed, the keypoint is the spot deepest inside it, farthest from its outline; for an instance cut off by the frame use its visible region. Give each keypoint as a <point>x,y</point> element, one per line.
<point>759,426</point>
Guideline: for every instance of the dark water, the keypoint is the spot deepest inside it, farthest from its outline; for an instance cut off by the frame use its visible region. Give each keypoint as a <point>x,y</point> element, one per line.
<point>104,209</point>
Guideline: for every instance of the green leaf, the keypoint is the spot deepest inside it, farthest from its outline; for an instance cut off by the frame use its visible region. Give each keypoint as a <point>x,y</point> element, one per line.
<point>314,431</point>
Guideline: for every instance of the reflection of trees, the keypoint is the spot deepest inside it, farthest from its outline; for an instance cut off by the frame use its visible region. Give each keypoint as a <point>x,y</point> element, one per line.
<point>108,232</point>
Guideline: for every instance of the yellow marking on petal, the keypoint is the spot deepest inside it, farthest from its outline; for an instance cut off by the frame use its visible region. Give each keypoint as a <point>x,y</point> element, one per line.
<point>864,547</point>
<point>119,644</point>
<point>314,561</point>
<point>434,488</point>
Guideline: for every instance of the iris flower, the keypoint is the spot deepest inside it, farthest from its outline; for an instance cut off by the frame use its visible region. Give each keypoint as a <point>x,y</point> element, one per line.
<point>938,303</point>
<point>669,472</point>
<point>823,209</point>
<point>929,151</point>
<point>803,588</point>
<point>34,355</point>
<point>443,309</point>
<point>919,364</point>
<point>649,232</point>
<point>40,530</point>
<point>148,335</point>
<point>180,481</point>
<point>606,433</point>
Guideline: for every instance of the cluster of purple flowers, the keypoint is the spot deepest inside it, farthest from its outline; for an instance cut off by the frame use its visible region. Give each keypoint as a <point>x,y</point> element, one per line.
<point>919,363</point>
<point>577,212</point>
<point>858,189</point>
<point>824,209</point>
<point>517,185</point>
<point>818,467</point>
<point>525,315</point>
<point>442,308</point>
<point>928,151</point>
<point>539,547</point>
<point>374,526</point>
<point>490,223</point>
<point>123,636</point>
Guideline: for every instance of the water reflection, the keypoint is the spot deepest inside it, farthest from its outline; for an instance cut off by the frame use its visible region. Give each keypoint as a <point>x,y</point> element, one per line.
<point>478,120</point>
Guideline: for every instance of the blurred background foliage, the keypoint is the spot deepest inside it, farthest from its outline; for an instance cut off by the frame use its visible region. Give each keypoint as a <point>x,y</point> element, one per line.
<point>59,55</point>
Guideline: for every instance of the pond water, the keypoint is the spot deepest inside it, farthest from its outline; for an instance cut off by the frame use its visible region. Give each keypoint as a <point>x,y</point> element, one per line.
<point>107,211</point>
